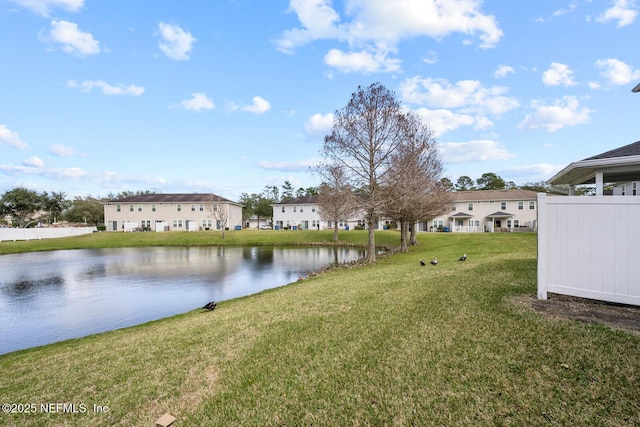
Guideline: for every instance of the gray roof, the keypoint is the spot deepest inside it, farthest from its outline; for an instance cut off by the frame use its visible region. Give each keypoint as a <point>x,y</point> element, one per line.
<point>460,215</point>
<point>493,195</point>
<point>632,149</point>
<point>617,165</point>
<point>299,201</point>
<point>173,198</point>
<point>499,215</point>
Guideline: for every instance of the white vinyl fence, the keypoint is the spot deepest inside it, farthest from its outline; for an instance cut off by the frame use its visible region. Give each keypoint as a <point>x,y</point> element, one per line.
<point>12,234</point>
<point>589,246</point>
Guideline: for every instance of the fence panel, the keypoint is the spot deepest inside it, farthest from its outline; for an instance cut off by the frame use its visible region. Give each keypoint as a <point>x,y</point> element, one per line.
<point>588,247</point>
<point>12,234</point>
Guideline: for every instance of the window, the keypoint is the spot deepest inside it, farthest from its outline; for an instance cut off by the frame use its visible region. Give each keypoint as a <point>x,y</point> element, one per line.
<point>313,208</point>
<point>532,205</point>
<point>508,223</point>
<point>193,207</point>
<point>177,223</point>
<point>118,208</point>
<point>139,208</point>
<point>634,189</point>
<point>470,206</point>
<point>624,189</point>
<point>294,208</point>
<point>520,206</point>
<point>283,209</point>
<point>503,206</point>
<point>301,208</point>
<point>130,208</point>
<point>201,207</point>
<point>179,208</point>
<point>153,208</point>
<point>453,207</point>
<point>516,223</point>
<point>206,223</point>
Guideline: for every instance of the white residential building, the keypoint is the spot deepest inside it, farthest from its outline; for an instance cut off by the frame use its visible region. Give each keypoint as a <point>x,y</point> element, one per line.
<point>487,211</point>
<point>471,211</point>
<point>164,212</point>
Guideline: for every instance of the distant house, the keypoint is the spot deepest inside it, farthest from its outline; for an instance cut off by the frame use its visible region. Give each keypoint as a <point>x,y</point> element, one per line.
<point>303,213</point>
<point>487,210</point>
<point>588,245</point>
<point>164,212</point>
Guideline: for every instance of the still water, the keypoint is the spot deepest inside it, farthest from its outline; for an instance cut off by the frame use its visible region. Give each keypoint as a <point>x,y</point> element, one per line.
<point>53,296</point>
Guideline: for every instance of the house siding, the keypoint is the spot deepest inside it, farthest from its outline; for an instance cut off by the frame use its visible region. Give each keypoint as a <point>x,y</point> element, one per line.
<point>487,211</point>
<point>164,213</point>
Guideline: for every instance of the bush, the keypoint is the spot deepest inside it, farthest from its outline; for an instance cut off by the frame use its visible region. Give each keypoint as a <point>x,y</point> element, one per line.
<point>101,228</point>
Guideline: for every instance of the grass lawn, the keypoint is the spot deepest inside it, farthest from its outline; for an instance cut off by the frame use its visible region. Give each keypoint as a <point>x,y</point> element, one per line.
<point>389,344</point>
<point>199,238</point>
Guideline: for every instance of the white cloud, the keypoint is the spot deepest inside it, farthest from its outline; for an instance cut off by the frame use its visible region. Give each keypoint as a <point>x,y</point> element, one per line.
<point>259,106</point>
<point>55,173</point>
<point>319,124</point>
<point>107,89</point>
<point>561,113</point>
<point>44,7</point>
<point>443,121</point>
<point>617,72</point>
<point>294,166</point>
<point>9,137</point>
<point>473,151</point>
<point>466,95</point>
<point>365,62</point>
<point>61,150</point>
<point>375,28</point>
<point>176,43</point>
<point>34,161</point>
<point>624,12</point>
<point>503,71</point>
<point>572,7</point>
<point>198,101</point>
<point>73,40</point>
<point>532,173</point>
<point>558,75</point>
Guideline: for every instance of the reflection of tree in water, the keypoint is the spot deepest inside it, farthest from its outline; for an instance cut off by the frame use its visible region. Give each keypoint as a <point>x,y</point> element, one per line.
<point>258,256</point>
<point>26,287</point>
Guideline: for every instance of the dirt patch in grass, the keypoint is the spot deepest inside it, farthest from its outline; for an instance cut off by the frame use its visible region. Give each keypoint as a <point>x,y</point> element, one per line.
<point>617,316</point>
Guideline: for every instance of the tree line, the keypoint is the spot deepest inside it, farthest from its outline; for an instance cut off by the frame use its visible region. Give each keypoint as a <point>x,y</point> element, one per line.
<point>23,207</point>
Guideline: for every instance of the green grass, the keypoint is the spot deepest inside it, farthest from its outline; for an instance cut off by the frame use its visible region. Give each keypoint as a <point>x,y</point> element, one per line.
<point>200,238</point>
<point>388,344</point>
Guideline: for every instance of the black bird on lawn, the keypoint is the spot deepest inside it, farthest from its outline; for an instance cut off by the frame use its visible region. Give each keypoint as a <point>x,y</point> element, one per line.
<point>434,261</point>
<point>463,258</point>
<point>210,305</point>
<point>422,262</point>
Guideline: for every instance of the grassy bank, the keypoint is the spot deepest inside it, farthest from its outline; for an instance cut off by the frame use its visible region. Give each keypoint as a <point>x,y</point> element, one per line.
<point>200,238</point>
<point>389,344</point>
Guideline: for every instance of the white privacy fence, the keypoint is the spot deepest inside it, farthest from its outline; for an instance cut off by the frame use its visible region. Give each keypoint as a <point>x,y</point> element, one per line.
<point>12,234</point>
<point>589,246</point>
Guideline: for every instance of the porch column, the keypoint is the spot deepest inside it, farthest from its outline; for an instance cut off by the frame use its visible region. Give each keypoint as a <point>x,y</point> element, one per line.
<point>599,183</point>
<point>572,190</point>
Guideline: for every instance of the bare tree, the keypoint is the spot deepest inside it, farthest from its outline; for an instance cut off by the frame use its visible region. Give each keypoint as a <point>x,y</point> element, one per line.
<point>416,180</point>
<point>364,135</point>
<point>335,197</point>
<point>219,211</point>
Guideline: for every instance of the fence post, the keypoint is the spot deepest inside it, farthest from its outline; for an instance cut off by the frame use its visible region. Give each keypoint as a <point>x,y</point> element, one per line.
<point>542,246</point>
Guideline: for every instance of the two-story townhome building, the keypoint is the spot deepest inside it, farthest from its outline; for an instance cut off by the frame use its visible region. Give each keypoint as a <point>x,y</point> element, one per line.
<point>471,211</point>
<point>487,210</point>
<point>303,213</point>
<point>164,212</point>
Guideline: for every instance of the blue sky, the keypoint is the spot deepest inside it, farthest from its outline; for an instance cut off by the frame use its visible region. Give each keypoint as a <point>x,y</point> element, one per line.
<point>229,96</point>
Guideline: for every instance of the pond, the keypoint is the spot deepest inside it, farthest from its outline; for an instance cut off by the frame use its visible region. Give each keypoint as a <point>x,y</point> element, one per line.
<point>52,296</point>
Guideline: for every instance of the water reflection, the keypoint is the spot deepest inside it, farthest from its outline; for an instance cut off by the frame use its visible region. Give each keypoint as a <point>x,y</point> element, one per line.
<point>51,296</point>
